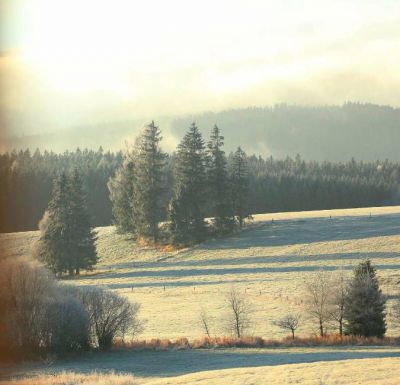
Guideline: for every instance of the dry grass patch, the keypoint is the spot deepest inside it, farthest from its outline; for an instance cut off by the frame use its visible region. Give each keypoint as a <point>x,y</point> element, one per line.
<point>224,342</point>
<point>71,378</point>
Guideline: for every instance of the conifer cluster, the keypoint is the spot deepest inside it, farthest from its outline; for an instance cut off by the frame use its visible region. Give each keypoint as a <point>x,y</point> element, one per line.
<point>203,186</point>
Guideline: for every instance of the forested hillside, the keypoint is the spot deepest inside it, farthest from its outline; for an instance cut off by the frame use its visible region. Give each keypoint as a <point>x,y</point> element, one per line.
<point>334,133</point>
<point>288,184</point>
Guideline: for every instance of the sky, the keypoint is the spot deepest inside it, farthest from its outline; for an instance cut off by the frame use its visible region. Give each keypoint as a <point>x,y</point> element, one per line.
<point>68,63</point>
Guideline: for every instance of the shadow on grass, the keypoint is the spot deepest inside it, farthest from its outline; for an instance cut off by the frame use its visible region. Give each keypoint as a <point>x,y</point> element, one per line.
<point>291,232</point>
<point>174,363</point>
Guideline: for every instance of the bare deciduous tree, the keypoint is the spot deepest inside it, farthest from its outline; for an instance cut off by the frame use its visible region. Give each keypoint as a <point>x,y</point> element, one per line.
<point>339,293</point>
<point>205,322</point>
<point>110,316</point>
<point>319,299</point>
<point>239,307</point>
<point>23,290</point>
<point>289,322</point>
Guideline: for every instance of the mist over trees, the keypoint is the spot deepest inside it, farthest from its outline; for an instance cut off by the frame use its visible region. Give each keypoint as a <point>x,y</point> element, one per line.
<point>366,132</point>
<point>335,133</point>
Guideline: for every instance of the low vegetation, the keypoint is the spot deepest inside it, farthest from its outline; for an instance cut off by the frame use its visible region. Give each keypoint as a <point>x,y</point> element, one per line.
<point>41,316</point>
<point>184,343</point>
<point>71,378</point>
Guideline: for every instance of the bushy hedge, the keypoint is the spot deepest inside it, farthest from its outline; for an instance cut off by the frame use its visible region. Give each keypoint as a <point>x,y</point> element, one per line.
<point>39,315</point>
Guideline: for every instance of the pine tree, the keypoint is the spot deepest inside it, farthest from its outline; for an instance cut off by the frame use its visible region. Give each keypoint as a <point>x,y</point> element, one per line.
<point>149,187</point>
<point>121,196</point>
<point>217,182</point>
<point>55,243</point>
<point>239,185</point>
<point>83,235</point>
<point>187,208</point>
<point>364,308</point>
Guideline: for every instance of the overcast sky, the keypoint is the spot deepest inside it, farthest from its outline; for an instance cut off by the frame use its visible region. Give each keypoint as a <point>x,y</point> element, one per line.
<point>70,62</point>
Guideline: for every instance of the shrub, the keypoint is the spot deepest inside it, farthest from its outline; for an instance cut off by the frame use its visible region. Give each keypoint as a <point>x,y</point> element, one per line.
<point>110,316</point>
<point>24,289</point>
<point>39,316</point>
<point>66,325</point>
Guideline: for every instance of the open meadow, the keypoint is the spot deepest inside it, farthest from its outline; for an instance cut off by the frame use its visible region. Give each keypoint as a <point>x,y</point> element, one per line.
<point>269,262</point>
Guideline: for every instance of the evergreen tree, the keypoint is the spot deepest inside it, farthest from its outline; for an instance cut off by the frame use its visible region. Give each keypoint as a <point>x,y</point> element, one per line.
<point>364,307</point>
<point>149,186</point>
<point>67,241</point>
<point>217,182</point>
<point>55,243</point>
<point>83,235</point>
<point>121,196</point>
<point>187,208</point>
<point>178,226</point>
<point>239,185</point>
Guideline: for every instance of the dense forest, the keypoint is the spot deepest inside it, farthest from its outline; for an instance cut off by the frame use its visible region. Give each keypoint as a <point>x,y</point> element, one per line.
<point>334,133</point>
<point>275,185</point>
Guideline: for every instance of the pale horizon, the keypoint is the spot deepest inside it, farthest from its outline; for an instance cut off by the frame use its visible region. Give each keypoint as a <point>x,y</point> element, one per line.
<point>69,63</point>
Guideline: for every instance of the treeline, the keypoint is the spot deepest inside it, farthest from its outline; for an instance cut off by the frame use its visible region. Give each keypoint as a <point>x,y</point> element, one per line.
<point>27,182</point>
<point>274,184</point>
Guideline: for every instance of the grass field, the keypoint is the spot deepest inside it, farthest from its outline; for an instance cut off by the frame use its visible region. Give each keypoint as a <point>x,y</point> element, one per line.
<point>366,365</point>
<point>268,262</point>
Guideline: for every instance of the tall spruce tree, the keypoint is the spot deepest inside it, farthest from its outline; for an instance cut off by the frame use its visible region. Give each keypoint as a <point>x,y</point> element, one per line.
<point>364,307</point>
<point>67,240</point>
<point>149,185</point>
<point>187,207</point>
<point>239,185</point>
<point>121,196</point>
<point>217,182</point>
<point>83,234</point>
<point>55,243</point>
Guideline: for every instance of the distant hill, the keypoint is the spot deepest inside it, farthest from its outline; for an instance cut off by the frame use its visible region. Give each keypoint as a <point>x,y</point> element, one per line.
<point>334,133</point>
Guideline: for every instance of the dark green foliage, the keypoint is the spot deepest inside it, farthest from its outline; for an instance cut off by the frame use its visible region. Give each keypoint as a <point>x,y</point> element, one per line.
<point>177,225</point>
<point>67,241</point>
<point>218,184</point>
<point>364,307</point>
<point>55,246</point>
<point>187,208</point>
<point>26,182</point>
<point>121,196</point>
<point>239,186</point>
<point>274,184</point>
<point>149,186</point>
<point>83,235</point>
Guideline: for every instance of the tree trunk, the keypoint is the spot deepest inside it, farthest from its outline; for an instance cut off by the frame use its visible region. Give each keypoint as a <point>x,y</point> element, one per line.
<point>71,272</point>
<point>321,328</point>
<point>77,271</point>
<point>341,327</point>
<point>293,334</point>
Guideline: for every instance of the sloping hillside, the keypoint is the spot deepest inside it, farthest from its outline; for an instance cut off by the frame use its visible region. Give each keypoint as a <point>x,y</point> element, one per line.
<point>269,262</point>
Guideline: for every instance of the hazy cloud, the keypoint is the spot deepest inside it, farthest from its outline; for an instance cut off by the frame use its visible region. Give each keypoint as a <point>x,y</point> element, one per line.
<point>64,64</point>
